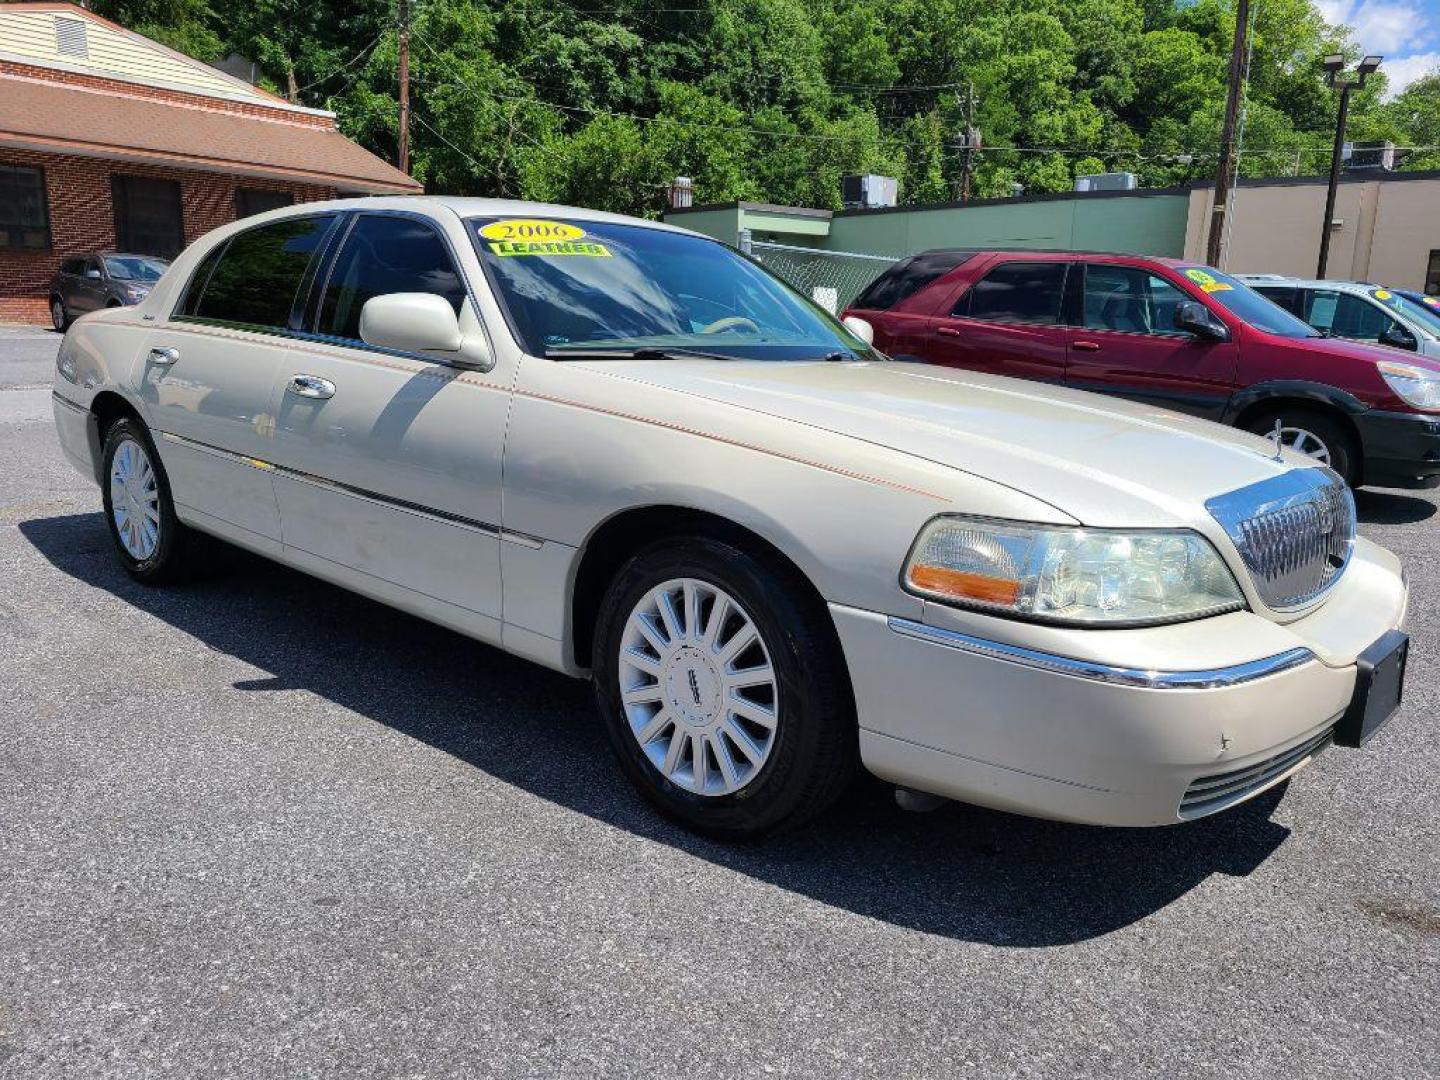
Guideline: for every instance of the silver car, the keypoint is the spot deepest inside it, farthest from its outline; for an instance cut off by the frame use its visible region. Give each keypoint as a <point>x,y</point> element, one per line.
<point>624,451</point>
<point>1355,310</point>
<point>105,279</point>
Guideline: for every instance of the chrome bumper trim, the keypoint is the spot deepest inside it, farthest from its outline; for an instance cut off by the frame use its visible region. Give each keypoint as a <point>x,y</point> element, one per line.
<point>1088,669</point>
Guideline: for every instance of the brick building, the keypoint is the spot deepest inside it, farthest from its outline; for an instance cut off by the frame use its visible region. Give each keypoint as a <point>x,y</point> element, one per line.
<point>110,141</point>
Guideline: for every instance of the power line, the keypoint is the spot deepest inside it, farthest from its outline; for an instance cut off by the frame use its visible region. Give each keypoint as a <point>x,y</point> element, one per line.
<point>345,66</point>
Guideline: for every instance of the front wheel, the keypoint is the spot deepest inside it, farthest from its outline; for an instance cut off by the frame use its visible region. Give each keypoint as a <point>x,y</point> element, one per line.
<point>59,317</point>
<point>723,690</point>
<point>1314,434</point>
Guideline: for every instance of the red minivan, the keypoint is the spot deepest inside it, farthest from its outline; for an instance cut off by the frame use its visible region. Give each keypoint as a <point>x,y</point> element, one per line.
<point>1170,333</point>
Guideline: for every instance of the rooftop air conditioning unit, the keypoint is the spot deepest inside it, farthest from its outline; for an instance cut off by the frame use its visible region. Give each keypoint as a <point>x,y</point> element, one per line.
<point>869,191</point>
<point>1370,155</point>
<point>1107,181</point>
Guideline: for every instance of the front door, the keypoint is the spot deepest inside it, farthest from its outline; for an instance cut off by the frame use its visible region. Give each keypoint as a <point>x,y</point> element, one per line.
<point>1008,323</point>
<point>1126,344</point>
<point>388,465</point>
<point>89,291</point>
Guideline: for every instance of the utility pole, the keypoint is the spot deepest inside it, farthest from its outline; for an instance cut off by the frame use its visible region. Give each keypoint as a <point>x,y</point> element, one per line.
<point>404,86</point>
<point>1334,64</point>
<point>969,142</point>
<point>1239,72</point>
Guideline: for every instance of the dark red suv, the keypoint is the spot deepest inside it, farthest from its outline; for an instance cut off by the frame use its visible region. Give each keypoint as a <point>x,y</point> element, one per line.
<point>1170,333</point>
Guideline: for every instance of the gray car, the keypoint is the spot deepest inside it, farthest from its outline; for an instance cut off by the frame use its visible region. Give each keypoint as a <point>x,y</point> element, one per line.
<point>105,279</point>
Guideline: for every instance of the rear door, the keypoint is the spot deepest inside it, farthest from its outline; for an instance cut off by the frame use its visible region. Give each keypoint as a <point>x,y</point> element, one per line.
<point>1009,322</point>
<point>901,302</point>
<point>1124,342</point>
<point>209,375</point>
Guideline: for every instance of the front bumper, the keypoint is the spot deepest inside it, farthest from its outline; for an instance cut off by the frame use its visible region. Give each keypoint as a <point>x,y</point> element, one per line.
<point>1400,450</point>
<point>1098,740</point>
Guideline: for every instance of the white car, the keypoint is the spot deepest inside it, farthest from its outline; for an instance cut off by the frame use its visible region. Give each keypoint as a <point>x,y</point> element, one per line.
<point>626,452</point>
<point>1355,311</point>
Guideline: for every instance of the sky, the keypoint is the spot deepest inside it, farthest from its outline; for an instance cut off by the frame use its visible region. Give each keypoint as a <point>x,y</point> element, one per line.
<point>1405,32</point>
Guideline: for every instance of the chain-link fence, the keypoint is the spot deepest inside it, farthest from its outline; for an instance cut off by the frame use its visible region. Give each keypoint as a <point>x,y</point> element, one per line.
<point>831,278</point>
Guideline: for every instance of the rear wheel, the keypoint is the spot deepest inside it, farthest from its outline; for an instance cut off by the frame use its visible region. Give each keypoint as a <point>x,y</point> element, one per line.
<point>1313,433</point>
<point>153,546</point>
<point>723,689</point>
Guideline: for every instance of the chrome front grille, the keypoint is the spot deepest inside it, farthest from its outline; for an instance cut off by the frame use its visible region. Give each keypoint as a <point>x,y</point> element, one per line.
<point>1208,794</point>
<point>1293,531</point>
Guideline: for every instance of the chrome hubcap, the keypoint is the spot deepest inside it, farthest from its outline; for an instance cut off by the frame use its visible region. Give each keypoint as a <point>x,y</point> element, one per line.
<point>1306,442</point>
<point>698,687</point>
<point>57,314</point>
<point>135,501</point>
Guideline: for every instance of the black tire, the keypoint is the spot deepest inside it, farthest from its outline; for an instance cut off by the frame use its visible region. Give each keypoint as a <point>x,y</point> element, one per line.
<point>59,317</point>
<point>179,549</point>
<point>814,753</point>
<point>1329,429</point>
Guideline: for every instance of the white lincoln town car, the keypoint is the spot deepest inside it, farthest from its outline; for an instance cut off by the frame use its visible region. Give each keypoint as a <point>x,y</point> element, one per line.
<point>629,453</point>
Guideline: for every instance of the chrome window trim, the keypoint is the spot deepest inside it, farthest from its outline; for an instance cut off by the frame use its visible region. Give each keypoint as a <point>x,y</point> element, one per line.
<point>1207,679</point>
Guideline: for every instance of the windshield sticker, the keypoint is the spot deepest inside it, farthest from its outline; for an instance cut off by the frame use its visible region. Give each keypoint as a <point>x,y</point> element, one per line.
<point>550,247</point>
<point>531,229</point>
<point>1206,281</point>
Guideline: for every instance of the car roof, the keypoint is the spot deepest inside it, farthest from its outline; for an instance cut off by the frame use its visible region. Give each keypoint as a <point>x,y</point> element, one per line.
<point>1306,283</point>
<point>468,207</point>
<point>1164,260</point>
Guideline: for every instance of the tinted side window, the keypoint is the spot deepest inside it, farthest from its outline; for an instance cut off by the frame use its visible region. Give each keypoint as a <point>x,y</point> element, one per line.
<point>1345,315</point>
<point>386,255</point>
<point>73,266</point>
<point>1129,300</point>
<point>906,278</point>
<point>258,274</point>
<point>1016,292</point>
<point>1287,298</point>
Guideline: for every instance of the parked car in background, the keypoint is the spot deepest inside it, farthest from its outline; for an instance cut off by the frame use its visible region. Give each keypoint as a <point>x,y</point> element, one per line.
<point>624,451</point>
<point>104,279</point>
<point>1355,311</point>
<point>1169,333</point>
<point>1431,302</point>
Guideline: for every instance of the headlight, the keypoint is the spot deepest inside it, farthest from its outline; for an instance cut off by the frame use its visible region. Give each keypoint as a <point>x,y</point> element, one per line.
<point>1414,385</point>
<point>135,293</point>
<point>1079,576</point>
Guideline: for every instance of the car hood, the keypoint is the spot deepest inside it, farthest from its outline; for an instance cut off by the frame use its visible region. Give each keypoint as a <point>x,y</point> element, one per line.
<point>1101,460</point>
<point>1353,352</point>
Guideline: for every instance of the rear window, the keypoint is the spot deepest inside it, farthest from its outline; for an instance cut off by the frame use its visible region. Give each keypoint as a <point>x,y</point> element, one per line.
<point>1018,292</point>
<point>905,279</point>
<point>254,280</point>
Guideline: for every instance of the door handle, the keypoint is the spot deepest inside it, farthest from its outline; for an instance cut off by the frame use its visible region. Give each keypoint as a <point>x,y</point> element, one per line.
<point>1085,346</point>
<point>164,356</point>
<point>948,331</point>
<point>310,386</point>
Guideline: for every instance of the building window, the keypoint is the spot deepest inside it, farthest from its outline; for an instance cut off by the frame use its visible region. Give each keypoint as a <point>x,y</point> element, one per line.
<point>251,201</point>
<point>147,216</point>
<point>1432,275</point>
<point>24,211</point>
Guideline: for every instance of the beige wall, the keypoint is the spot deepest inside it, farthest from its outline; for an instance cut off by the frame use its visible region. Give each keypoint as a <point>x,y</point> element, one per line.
<point>1387,233</point>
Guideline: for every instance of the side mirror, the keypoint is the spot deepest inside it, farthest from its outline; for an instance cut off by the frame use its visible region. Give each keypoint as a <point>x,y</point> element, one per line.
<point>1195,318</point>
<point>860,328</point>
<point>92,273</point>
<point>1397,337</point>
<point>424,323</point>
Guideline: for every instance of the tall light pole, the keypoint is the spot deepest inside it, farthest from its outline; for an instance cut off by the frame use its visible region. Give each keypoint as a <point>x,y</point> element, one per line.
<point>1334,64</point>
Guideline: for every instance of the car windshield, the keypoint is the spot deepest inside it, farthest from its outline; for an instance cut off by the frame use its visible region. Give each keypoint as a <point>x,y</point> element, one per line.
<point>1427,317</point>
<point>587,287</point>
<point>1247,304</point>
<point>134,268</point>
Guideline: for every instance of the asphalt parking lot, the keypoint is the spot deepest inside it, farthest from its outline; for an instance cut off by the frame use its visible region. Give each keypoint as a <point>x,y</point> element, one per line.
<point>259,827</point>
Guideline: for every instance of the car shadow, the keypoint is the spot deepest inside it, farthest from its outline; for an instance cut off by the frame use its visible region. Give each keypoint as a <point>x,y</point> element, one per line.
<point>960,871</point>
<point>1392,508</point>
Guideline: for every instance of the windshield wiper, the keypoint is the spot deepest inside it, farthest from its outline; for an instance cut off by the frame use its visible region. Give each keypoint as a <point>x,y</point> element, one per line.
<point>644,353</point>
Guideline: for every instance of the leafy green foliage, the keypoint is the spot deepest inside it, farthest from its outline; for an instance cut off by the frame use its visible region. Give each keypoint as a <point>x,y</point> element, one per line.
<point>603,102</point>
